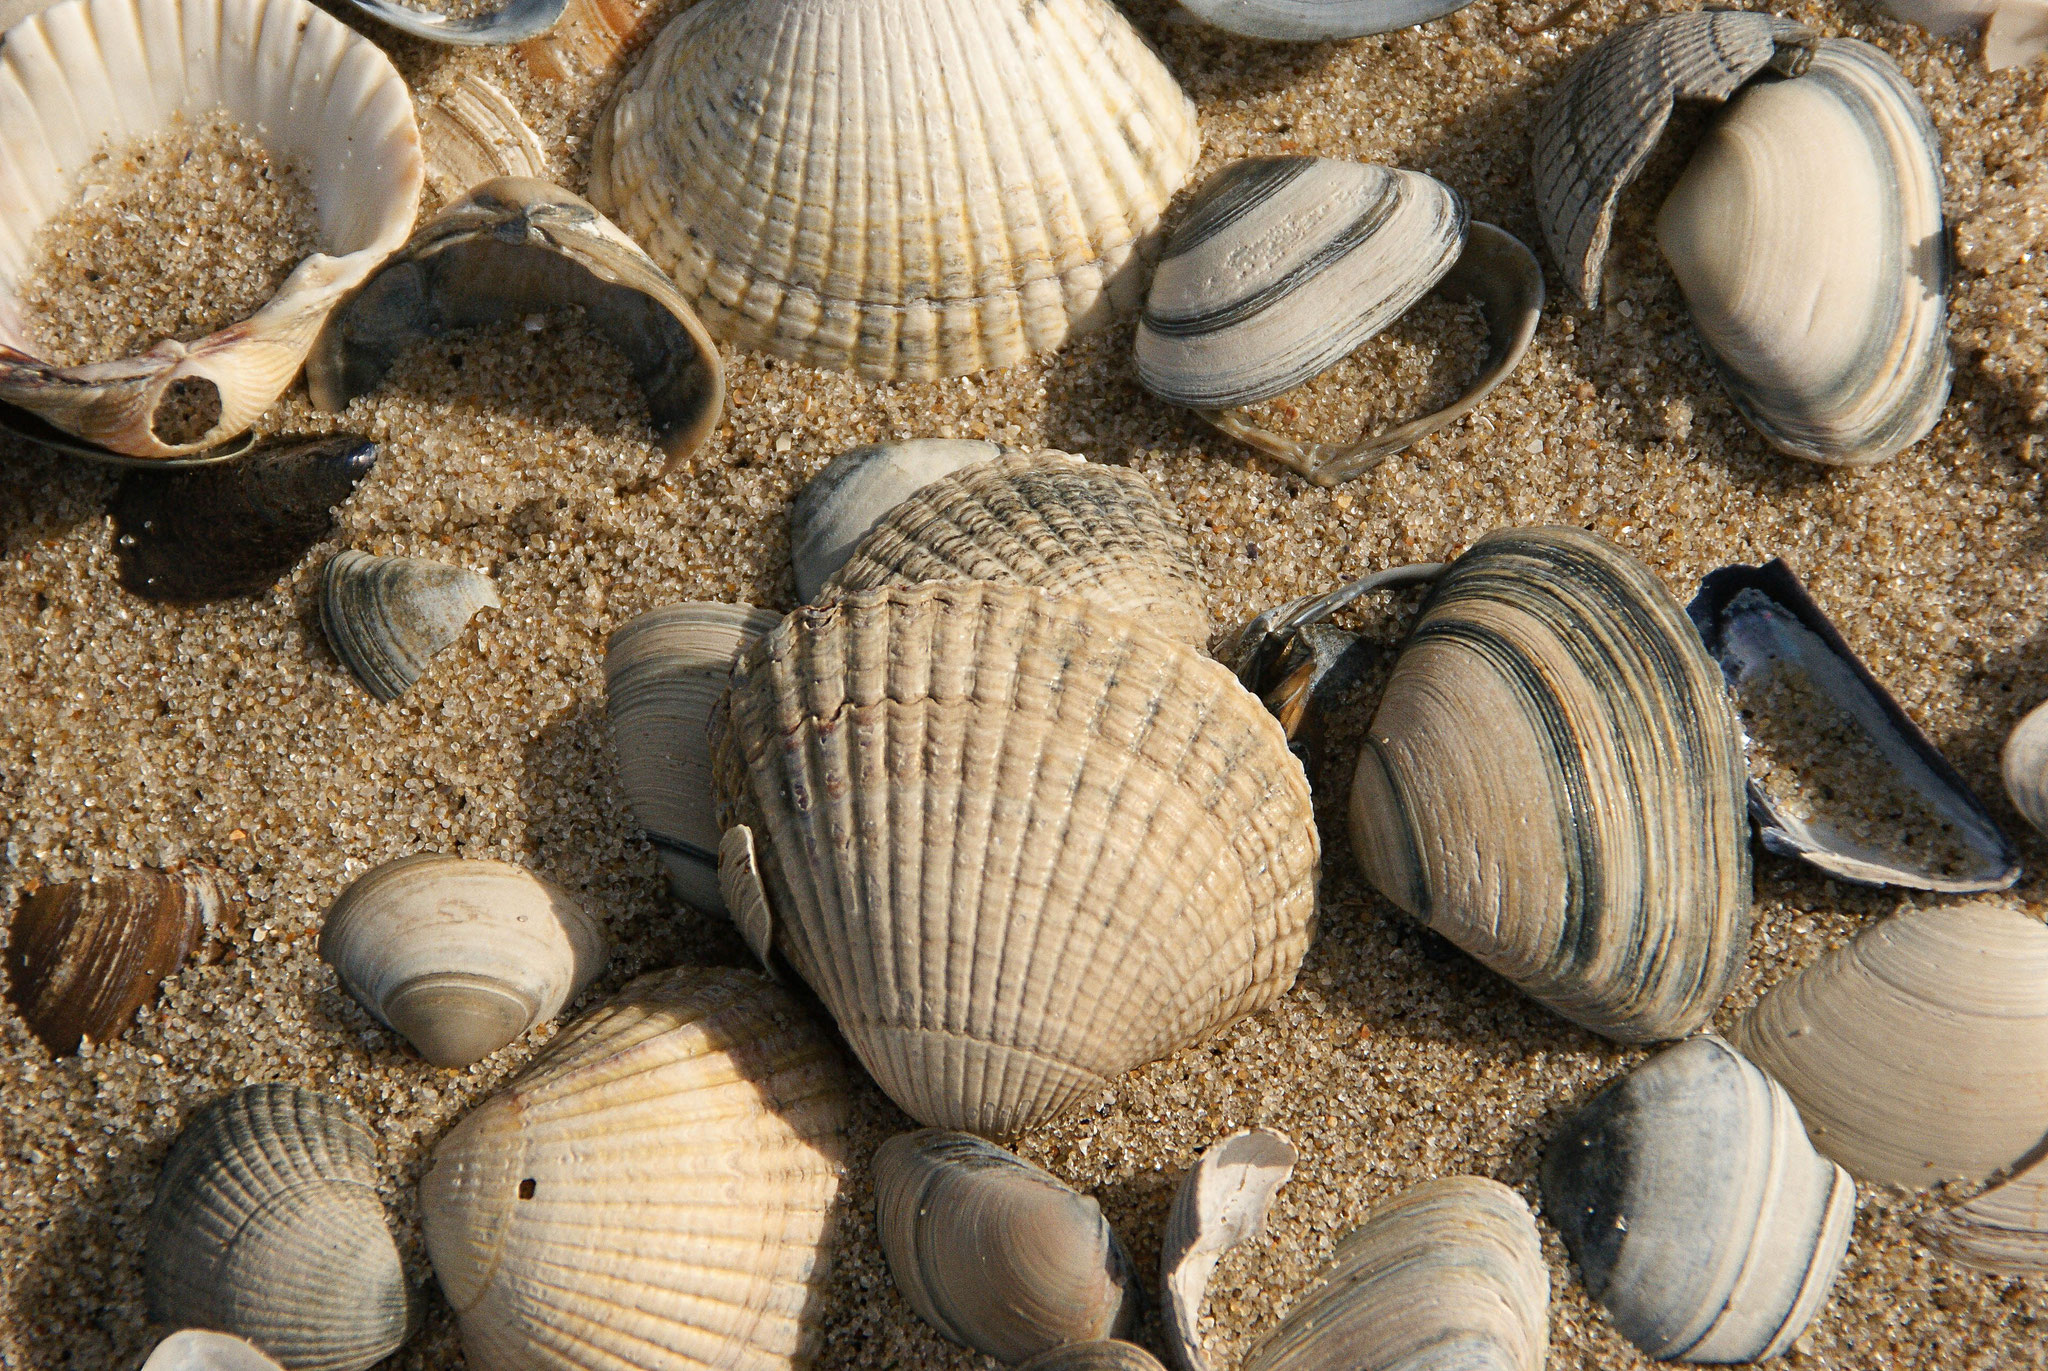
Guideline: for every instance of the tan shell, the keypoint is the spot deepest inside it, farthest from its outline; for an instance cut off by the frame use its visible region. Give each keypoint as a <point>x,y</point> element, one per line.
<point>655,1190</point>
<point>1106,1354</point>
<point>1018,845</point>
<point>1046,519</point>
<point>2003,1229</point>
<point>472,133</point>
<point>586,41</point>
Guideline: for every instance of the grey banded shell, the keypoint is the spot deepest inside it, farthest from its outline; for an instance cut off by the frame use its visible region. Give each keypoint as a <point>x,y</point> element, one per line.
<point>1554,781</point>
<point>1313,21</point>
<point>386,617</point>
<point>512,22</point>
<point>2003,1229</point>
<point>1699,1214</point>
<point>1103,1354</point>
<point>837,507</point>
<point>267,1225</point>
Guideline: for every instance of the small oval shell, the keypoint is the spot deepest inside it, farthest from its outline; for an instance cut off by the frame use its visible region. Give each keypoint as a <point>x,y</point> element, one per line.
<point>2024,766</point>
<point>849,497</point>
<point>696,1115</point>
<point>197,1349</point>
<point>460,957</point>
<point>1313,21</point>
<point>267,1225</point>
<point>386,617</point>
<point>1698,1212</point>
<point>472,133</point>
<point>1106,1354</point>
<point>996,1253</point>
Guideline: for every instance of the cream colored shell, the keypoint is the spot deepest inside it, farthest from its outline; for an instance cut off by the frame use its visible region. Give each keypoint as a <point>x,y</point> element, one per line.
<point>1222,1202</point>
<point>472,133</point>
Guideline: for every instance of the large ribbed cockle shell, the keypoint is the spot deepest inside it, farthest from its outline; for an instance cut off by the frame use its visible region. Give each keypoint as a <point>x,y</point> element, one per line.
<point>1018,845</point>
<point>1046,519</point>
<point>1554,781</point>
<point>912,188</point>
<point>655,1191</point>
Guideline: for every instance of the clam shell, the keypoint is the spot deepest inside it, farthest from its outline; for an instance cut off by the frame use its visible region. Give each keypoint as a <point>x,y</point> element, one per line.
<point>1046,519</point>
<point>515,21</point>
<point>460,956</point>
<point>2024,766</point>
<point>196,1349</point>
<point>835,510</point>
<point>1222,1202</point>
<point>656,1189</point>
<point>1449,1274</point>
<point>1919,1052</point>
<point>2004,1229</point>
<point>794,208</point>
<point>514,247</point>
<point>1698,1212</point>
<point>1313,21</point>
<point>267,1225</point>
<point>1017,844</point>
<point>87,71</point>
<point>663,675</point>
<point>1554,782</point>
<point>83,956</point>
<point>996,1253</point>
<point>586,41</point>
<point>1105,1354</point>
<point>386,617</point>
<point>472,134</point>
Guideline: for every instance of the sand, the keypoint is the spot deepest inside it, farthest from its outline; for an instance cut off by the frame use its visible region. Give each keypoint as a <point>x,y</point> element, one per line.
<point>134,733</point>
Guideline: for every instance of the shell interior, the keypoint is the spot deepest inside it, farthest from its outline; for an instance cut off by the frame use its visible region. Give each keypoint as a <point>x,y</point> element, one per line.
<point>197,1349</point>
<point>1102,1354</point>
<point>386,617</point>
<point>1222,1202</point>
<point>838,506</point>
<point>1314,21</point>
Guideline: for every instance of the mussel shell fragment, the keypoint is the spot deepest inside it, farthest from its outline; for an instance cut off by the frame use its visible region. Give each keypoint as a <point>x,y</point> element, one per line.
<point>386,617</point>
<point>838,506</point>
<point>199,1349</point>
<point>516,21</point>
<point>2024,766</point>
<point>1102,1354</point>
<point>1222,1202</point>
<point>1313,21</point>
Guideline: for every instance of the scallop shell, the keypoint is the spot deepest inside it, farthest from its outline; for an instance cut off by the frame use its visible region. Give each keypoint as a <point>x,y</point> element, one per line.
<point>83,956</point>
<point>1919,1052</point>
<point>513,22</point>
<point>995,1253</point>
<point>87,71</point>
<point>1449,1274</point>
<point>196,1349</point>
<point>511,248</point>
<point>835,510</point>
<point>2004,1229</point>
<point>1222,1202</point>
<point>386,617</point>
<point>1313,21</point>
<point>663,675</point>
<point>1046,519</point>
<point>267,1225</point>
<point>656,1189</point>
<point>2024,765</point>
<point>1698,1212</point>
<point>797,212</point>
<point>472,134</point>
<point>1017,844</point>
<point>1554,782</point>
<point>1105,1354</point>
<point>459,956</point>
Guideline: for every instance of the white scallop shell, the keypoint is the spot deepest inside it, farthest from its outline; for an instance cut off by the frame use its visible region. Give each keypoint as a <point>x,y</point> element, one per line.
<point>839,505</point>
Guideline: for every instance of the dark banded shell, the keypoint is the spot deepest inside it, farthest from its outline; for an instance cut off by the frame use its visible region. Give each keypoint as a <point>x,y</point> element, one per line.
<point>386,617</point>
<point>512,22</point>
<point>1313,21</point>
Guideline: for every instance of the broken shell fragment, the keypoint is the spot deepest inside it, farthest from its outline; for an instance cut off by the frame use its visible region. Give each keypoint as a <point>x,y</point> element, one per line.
<point>472,134</point>
<point>996,1253</point>
<point>656,1189</point>
<point>1698,1212</point>
<point>459,956</point>
<point>1222,1202</point>
<point>1314,21</point>
<point>1104,1354</point>
<point>511,248</point>
<point>2003,1229</point>
<point>198,1349</point>
<point>513,22</point>
<point>586,41</point>
<point>2024,765</point>
<point>386,617</point>
<point>267,1225</point>
<point>839,505</point>
<point>2015,31</point>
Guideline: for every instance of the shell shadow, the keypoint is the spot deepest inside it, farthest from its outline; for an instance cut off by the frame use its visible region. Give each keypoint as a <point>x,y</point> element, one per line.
<point>44,495</point>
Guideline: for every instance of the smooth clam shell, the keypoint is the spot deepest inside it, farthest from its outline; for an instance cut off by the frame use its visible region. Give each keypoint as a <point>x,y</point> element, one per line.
<point>267,1225</point>
<point>198,1349</point>
<point>796,209</point>
<point>1103,1354</point>
<point>1554,781</point>
<point>514,247</point>
<point>1222,1202</point>
<point>324,99</point>
<point>386,617</point>
<point>2024,766</point>
<point>1698,1212</point>
<point>1017,844</point>
<point>2004,1229</point>
<point>472,133</point>
<point>656,1189</point>
<point>515,21</point>
<point>1449,1274</point>
<point>839,505</point>
<point>460,956</point>
<point>1046,519</point>
<point>996,1253</point>
<point>1313,21</point>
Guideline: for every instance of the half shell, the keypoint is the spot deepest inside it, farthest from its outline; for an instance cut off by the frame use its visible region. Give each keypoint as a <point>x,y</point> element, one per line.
<point>472,133</point>
<point>386,617</point>
<point>800,213</point>
<point>1222,1202</point>
<point>267,1225</point>
<point>838,506</point>
<point>515,21</point>
<point>2024,766</point>
<point>656,1189</point>
<point>1554,782</point>
<point>196,1349</point>
<point>1106,1354</point>
<point>88,72</point>
<point>460,957</point>
<point>1312,21</point>
<point>1017,844</point>
<point>2003,1229</point>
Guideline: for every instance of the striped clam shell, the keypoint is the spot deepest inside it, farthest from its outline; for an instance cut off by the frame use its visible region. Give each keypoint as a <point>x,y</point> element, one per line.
<point>1017,844</point>
<point>1313,21</point>
<point>472,133</point>
<point>796,210</point>
<point>386,617</point>
<point>2024,766</point>
<point>1554,781</point>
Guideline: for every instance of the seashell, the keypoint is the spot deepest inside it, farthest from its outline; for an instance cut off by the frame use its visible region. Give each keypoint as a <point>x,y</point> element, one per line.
<point>516,21</point>
<point>2015,31</point>
<point>1698,1212</point>
<point>1104,1354</point>
<point>267,1225</point>
<point>586,41</point>
<point>776,194</point>
<point>1839,776</point>
<point>196,1349</point>
<point>1449,1274</point>
<point>22,424</point>
<point>76,76</point>
<point>739,883</point>
<point>473,134</point>
<point>515,247</point>
<point>1314,21</point>
<point>996,1253</point>
<point>1285,266</point>
<point>83,956</point>
<point>663,674</point>
<point>2024,765</point>
<point>1047,519</point>
<point>386,617</point>
<point>1919,1052</point>
<point>1554,782</point>
<point>1120,861</point>
<point>1222,1202</point>
<point>839,505</point>
<point>223,531</point>
<point>698,1114</point>
<point>2004,1229</point>
<point>460,957</point>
